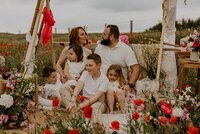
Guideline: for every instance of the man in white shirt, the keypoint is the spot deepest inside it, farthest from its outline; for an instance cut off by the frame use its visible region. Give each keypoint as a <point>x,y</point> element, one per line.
<point>113,51</point>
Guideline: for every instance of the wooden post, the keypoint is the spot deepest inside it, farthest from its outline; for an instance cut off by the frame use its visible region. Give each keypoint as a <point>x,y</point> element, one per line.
<point>165,6</point>
<point>53,54</point>
<point>131,27</point>
<point>32,44</point>
<point>35,77</point>
<point>35,16</point>
<point>55,30</point>
<point>68,30</point>
<point>1,85</point>
<point>105,25</point>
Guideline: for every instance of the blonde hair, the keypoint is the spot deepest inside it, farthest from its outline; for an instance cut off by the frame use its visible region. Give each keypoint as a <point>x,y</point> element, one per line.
<point>118,70</point>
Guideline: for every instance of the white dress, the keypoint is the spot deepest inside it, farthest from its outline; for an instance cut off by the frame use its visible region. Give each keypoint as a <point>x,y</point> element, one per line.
<point>114,85</point>
<point>75,68</point>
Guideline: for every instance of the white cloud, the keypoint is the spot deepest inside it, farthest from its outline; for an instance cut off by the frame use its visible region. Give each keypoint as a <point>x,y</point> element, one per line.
<point>16,15</point>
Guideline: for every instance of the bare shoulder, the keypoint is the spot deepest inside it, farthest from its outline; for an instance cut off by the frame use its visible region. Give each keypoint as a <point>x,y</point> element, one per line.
<point>87,50</point>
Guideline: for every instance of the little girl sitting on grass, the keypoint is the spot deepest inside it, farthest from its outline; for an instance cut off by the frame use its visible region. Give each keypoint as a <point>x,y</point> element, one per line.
<point>115,92</point>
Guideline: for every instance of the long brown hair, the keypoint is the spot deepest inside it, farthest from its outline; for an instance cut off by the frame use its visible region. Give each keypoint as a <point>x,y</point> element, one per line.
<point>78,50</point>
<point>118,70</point>
<point>73,37</point>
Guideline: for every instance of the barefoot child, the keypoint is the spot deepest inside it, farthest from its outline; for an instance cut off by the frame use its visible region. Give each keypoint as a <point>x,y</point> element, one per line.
<point>115,92</point>
<point>51,88</point>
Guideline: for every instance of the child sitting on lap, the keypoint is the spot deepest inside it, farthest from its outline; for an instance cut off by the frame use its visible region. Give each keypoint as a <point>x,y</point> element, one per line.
<point>115,92</point>
<point>51,88</point>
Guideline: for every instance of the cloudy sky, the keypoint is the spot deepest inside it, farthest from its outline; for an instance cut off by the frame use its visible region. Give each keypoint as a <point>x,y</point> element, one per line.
<point>16,15</point>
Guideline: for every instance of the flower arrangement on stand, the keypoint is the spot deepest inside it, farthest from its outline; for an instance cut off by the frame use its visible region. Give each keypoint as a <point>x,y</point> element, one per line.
<point>15,103</point>
<point>191,42</point>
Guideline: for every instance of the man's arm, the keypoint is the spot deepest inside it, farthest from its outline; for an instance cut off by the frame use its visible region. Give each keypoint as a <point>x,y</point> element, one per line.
<point>135,72</point>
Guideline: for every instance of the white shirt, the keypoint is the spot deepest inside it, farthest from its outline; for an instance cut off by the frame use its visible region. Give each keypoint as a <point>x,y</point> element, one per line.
<point>121,54</point>
<point>91,86</point>
<point>53,89</point>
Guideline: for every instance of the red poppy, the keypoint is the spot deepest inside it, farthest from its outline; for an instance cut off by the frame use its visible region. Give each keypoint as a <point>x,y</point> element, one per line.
<point>81,98</point>
<point>6,52</point>
<point>138,102</point>
<point>55,103</point>
<point>147,118</point>
<point>173,120</point>
<point>115,125</point>
<point>163,120</point>
<point>73,131</point>
<point>87,111</point>
<point>192,130</point>
<point>135,115</point>
<point>47,131</point>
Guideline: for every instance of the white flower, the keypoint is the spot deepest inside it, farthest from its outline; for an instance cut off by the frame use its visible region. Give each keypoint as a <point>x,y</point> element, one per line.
<point>173,102</point>
<point>180,98</point>
<point>6,100</point>
<point>178,112</point>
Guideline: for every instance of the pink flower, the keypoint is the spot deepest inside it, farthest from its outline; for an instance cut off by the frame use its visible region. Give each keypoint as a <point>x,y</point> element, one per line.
<point>5,118</point>
<point>31,126</point>
<point>124,38</point>
<point>24,123</point>
<point>140,107</point>
<point>14,117</point>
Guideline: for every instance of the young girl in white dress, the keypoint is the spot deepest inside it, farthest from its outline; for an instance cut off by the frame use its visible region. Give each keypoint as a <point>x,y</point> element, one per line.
<point>115,92</point>
<point>51,88</point>
<point>74,65</point>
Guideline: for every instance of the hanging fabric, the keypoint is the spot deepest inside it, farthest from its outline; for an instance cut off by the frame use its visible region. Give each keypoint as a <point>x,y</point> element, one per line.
<point>48,21</point>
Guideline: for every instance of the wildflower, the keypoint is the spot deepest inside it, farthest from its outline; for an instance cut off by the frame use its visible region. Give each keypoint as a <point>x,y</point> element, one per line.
<point>6,100</point>
<point>173,119</point>
<point>55,103</point>
<point>6,52</point>
<point>47,131</point>
<point>14,117</point>
<point>81,98</point>
<point>73,131</point>
<point>138,102</point>
<point>135,115</point>
<point>147,118</point>
<point>87,111</point>
<point>163,119</point>
<point>178,112</point>
<point>166,108</point>
<point>115,125</point>
<point>192,130</point>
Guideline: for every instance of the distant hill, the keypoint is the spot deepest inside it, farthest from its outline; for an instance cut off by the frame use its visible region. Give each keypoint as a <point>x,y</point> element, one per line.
<point>180,25</point>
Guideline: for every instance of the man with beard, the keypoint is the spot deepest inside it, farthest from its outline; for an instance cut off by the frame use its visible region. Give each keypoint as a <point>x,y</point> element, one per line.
<point>114,51</point>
